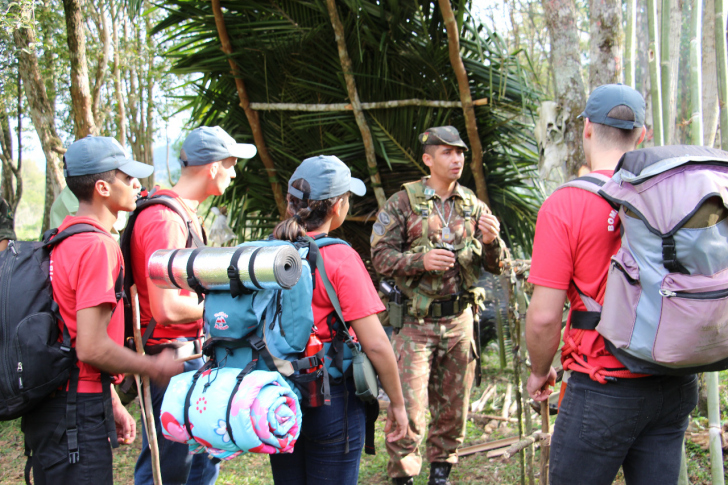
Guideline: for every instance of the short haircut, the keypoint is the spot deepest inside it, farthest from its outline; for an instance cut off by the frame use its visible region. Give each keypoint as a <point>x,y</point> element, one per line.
<point>617,137</point>
<point>82,186</point>
<point>429,149</point>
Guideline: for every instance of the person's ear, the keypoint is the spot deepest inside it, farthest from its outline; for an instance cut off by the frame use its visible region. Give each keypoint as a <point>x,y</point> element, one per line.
<point>214,167</point>
<point>103,188</point>
<point>427,159</point>
<point>588,128</point>
<point>337,207</point>
<point>642,137</point>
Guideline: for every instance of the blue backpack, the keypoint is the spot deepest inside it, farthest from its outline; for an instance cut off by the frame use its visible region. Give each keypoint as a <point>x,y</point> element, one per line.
<point>269,329</point>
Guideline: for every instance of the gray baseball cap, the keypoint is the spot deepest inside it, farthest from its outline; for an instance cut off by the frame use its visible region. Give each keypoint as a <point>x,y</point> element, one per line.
<point>97,154</point>
<point>208,144</point>
<point>608,96</point>
<point>327,176</point>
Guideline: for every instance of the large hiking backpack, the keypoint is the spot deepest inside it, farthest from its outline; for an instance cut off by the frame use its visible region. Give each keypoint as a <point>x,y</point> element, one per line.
<point>666,301</point>
<point>34,361</point>
<point>272,327</point>
<point>193,241</point>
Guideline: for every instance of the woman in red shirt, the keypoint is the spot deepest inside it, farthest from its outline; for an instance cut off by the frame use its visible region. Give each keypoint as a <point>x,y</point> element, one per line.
<point>318,202</point>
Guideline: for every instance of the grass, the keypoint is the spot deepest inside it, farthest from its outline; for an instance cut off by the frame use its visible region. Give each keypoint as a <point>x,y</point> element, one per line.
<point>253,469</point>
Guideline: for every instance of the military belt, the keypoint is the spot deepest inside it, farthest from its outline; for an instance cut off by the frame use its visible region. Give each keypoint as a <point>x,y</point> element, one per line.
<point>447,308</point>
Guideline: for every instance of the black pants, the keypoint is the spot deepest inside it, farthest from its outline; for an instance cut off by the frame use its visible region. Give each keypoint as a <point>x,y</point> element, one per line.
<point>45,434</point>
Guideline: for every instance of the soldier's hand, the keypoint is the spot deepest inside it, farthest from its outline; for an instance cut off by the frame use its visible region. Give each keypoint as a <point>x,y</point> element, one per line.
<point>439,260</point>
<point>165,366</point>
<point>397,418</point>
<point>489,227</point>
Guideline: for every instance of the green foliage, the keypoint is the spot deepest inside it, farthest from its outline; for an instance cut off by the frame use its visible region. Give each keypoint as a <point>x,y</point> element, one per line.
<point>29,216</point>
<point>287,53</point>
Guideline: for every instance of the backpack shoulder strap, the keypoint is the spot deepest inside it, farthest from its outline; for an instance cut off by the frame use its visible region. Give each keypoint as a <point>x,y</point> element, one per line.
<point>193,239</point>
<point>322,242</point>
<point>61,236</point>
<point>592,182</point>
<point>319,262</point>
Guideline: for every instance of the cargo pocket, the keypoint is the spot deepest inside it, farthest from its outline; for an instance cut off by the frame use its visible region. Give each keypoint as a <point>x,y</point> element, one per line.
<point>693,328</point>
<point>621,297</point>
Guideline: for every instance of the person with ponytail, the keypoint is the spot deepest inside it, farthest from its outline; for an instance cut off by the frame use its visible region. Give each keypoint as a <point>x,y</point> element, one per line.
<point>332,437</point>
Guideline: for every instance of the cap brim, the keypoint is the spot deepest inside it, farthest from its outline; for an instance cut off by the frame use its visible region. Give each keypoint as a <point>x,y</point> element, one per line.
<point>243,150</point>
<point>136,169</point>
<point>357,187</point>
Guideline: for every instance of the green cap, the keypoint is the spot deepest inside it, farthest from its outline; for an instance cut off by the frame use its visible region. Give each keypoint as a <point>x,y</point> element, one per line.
<point>442,135</point>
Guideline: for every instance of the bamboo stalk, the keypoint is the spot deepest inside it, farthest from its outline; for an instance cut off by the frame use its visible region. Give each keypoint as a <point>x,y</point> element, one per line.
<point>453,40</point>
<point>486,418</point>
<point>400,103</point>
<point>696,73</point>
<point>507,401</point>
<point>491,445</point>
<point>524,412</point>
<point>546,446</point>
<point>653,54</point>
<point>525,443</point>
<point>722,67</point>
<point>630,34</point>
<point>716,450</point>
<point>479,404</point>
<point>250,113</point>
<point>366,134</point>
<point>665,75</point>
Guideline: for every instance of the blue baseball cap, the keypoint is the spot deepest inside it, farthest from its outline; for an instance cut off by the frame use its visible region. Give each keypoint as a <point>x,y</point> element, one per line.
<point>608,96</point>
<point>327,177</point>
<point>98,154</point>
<point>208,144</point>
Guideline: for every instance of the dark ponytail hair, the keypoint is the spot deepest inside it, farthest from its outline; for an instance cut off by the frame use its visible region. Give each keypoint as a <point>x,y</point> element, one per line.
<point>304,215</point>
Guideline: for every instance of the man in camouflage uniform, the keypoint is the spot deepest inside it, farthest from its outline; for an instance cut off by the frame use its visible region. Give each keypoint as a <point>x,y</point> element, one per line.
<point>436,274</point>
<point>6,224</point>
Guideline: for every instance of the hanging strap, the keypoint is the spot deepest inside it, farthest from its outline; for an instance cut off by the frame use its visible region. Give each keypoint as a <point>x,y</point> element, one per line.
<point>71,408</point>
<point>192,280</point>
<point>236,285</point>
<point>188,396</point>
<point>238,380</point>
<point>108,410</point>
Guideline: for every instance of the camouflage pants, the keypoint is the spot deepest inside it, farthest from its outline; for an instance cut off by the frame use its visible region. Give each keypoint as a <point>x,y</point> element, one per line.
<point>436,364</point>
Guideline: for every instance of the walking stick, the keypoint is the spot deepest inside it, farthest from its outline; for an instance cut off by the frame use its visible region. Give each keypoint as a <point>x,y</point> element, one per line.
<point>145,390</point>
<point>546,444</point>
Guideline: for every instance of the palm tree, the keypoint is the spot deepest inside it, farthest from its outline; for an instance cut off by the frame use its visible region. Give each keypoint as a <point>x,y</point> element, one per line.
<point>285,52</point>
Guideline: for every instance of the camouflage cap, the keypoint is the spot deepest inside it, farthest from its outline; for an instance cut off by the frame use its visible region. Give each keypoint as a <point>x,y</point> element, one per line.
<point>442,135</point>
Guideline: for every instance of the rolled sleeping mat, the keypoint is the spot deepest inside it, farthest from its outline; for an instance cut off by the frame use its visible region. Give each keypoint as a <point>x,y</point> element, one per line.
<point>272,267</point>
<point>261,414</point>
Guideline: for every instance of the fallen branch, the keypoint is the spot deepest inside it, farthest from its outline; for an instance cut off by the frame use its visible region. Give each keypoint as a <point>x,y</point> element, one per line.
<point>479,405</point>
<point>525,442</point>
<point>486,418</point>
<point>497,445</point>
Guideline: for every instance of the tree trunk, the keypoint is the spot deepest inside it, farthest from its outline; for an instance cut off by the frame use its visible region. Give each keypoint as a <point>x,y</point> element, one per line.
<point>568,83</point>
<point>605,44</point>
<point>671,22</point>
<point>710,76</point>
<point>453,40</point>
<point>80,95</point>
<point>43,117</point>
<point>120,106</point>
<point>101,20</point>
<point>696,74</point>
<point>655,78</point>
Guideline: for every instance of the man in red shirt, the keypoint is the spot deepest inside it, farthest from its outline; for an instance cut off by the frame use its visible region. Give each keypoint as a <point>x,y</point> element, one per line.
<point>208,158</point>
<point>71,433</point>
<point>608,417</point>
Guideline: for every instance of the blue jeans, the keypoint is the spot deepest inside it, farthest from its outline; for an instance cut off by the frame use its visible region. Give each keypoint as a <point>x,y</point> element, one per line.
<point>638,424</point>
<point>178,466</point>
<point>319,455</point>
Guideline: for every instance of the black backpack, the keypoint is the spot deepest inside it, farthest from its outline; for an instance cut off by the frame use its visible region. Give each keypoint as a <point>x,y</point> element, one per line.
<point>193,240</point>
<point>33,362</point>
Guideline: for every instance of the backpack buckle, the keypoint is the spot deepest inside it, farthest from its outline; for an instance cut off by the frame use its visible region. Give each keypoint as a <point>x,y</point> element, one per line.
<point>468,212</point>
<point>73,454</point>
<point>257,343</point>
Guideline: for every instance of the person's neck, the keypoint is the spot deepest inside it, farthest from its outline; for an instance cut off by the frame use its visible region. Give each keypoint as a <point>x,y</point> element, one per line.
<point>323,228</point>
<point>99,212</point>
<point>443,188</point>
<point>605,159</point>
<point>192,190</point>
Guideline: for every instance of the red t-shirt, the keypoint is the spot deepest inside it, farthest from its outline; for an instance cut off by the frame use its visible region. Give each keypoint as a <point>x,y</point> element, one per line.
<point>83,272</point>
<point>577,233</point>
<point>159,227</point>
<point>353,286</point>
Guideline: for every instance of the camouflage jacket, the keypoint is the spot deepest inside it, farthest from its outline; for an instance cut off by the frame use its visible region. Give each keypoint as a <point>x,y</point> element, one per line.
<point>6,221</point>
<point>398,228</point>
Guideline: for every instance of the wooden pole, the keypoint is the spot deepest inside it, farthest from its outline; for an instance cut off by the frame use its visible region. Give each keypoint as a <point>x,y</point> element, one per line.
<point>366,134</point>
<point>665,74</point>
<point>630,34</point>
<point>453,40</point>
<point>145,390</point>
<point>250,114</point>
<point>546,445</point>
<point>696,73</point>
<point>399,103</point>
<point>722,67</point>
<point>653,54</point>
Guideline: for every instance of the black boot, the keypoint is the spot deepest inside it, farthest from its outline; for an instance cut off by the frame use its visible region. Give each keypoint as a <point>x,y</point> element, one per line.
<point>439,471</point>
<point>403,481</point>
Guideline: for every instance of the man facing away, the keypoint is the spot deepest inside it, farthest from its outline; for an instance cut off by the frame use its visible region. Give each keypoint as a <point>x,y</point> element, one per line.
<point>84,270</point>
<point>633,421</point>
<point>208,160</point>
<point>434,237</point>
